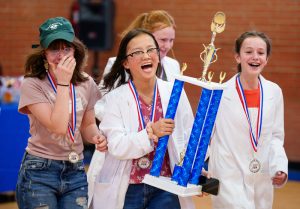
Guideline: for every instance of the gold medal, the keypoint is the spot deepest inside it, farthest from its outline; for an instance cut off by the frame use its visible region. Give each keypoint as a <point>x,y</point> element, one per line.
<point>73,157</point>
<point>254,166</point>
<point>144,162</point>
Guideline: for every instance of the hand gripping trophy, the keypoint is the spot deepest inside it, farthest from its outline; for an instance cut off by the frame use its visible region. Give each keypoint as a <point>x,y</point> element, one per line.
<point>186,174</point>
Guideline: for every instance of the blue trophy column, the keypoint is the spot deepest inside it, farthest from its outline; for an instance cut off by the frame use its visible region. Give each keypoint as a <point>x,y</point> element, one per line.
<point>194,137</point>
<point>210,118</point>
<point>163,141</point>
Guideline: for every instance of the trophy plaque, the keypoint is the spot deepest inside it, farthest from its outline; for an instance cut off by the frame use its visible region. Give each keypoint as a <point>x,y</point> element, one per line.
<point>186,175</point>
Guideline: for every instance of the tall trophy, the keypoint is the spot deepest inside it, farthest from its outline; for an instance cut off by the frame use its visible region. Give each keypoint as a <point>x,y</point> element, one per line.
<point>186,175</point>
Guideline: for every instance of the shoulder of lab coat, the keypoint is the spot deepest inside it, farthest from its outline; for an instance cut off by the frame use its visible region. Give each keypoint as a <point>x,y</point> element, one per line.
<point>171,67</point>
<point>99,106</point>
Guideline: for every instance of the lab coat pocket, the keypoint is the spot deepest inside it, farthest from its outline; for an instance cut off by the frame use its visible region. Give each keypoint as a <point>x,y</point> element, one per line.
<point>106,186</point>
<point>104,196</point>
<point>109,170</point>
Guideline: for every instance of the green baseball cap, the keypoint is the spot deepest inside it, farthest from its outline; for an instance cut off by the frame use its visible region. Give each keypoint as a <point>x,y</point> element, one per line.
<point>55,28</point>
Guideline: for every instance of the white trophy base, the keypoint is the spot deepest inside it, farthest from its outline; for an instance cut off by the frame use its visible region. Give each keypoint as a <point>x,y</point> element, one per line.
<point>166,184</point>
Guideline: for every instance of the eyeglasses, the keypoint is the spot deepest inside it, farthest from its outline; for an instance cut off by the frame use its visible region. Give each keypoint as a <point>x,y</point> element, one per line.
<point>64,51</point>
<point>139,54</point>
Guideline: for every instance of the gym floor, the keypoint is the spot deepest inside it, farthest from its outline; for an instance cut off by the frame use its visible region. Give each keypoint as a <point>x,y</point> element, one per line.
<point>285,198</point>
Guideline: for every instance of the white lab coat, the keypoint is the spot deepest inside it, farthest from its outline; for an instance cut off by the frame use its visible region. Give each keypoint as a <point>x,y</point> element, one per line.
<point>231,150</point>
<point>171,67</point>
<point>107,188</point>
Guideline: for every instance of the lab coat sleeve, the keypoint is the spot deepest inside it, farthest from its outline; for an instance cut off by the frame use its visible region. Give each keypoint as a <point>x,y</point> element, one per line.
<point>99,108</point>
<point>277,159</point>
<point>123,143</point>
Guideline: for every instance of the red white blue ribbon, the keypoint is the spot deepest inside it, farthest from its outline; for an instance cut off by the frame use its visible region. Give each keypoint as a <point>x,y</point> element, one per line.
<point>72,125</point>
<point>253,138</point>
<point>138,105</point>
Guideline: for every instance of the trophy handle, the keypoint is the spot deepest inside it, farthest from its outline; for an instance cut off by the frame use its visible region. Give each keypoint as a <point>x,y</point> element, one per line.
<point>208,56</point>
<point>222,76</point>
<point>183,68</point>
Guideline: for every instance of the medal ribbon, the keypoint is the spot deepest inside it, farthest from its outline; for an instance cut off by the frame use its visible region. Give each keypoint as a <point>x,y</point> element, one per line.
<point>254,139</point>
<point>72,125</point>
<point>138,105</point>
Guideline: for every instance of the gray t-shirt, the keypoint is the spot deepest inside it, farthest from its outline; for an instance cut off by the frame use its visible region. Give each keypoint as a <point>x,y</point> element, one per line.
<point>42,142</point>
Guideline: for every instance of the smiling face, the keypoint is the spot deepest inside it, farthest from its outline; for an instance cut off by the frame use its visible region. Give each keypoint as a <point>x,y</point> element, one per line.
<point>165,38</point>
<point>252,56</point>
<point>142,66</point>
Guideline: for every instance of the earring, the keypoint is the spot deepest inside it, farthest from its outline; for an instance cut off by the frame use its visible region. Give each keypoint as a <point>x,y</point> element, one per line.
<point>46,65</point>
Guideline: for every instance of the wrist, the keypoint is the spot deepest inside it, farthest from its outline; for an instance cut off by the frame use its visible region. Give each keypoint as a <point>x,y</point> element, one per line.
<point>152,138</point>
<point>62,84</point>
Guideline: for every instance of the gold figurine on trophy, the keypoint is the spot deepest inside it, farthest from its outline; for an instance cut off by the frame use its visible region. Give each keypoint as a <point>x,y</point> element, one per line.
<point>208,55</point>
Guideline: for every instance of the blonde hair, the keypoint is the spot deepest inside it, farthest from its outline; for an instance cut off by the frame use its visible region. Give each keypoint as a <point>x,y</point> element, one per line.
<point>151,21</point>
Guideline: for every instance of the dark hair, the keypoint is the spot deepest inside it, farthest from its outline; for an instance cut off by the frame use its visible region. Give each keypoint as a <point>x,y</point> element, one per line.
<point>117,74</point>
<point>35,66</point>
<point>239,41</point>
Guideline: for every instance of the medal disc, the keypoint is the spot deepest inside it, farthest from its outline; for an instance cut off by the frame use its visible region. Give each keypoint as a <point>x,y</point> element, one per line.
<point>73,157</point>
<point>144,163</point>
<point>254,166</point>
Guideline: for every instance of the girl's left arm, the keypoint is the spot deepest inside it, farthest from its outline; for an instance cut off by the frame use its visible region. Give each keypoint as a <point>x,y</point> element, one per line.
<point>277,158</point>
<point>90,131</point>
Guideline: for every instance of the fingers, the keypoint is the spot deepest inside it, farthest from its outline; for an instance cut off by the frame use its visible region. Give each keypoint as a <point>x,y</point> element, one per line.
<point>279,178</point>
<point>167,120</point>
<point>65,68</point>
<point>277,181</point>
<point>70,63</point>
<point>203,194</point>
<point>150,133</point>
<point>101,143</point>
<point>67,63</point>
<point>153,137</point>
<point>163,127</point>
<point>206,173</point>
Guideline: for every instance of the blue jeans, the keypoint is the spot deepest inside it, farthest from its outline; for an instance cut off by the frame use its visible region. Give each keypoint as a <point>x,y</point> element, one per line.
<point>143,196</point>
<point>51,184</point>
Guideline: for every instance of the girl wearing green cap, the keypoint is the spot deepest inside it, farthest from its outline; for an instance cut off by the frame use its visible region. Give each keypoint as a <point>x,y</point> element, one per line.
<point>59,99</point>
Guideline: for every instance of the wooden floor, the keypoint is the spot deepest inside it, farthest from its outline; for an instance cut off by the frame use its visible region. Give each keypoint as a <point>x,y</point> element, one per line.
<point>285,198</point>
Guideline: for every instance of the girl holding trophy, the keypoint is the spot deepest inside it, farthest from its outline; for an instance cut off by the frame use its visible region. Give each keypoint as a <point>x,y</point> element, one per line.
<point>247,153</point>
<point>132,123</point>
